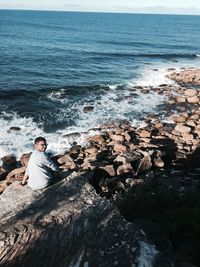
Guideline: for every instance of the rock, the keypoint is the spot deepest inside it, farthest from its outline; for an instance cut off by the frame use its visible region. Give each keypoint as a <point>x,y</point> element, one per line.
<point>65,159</point>
<point>186,76</point>
<point>99,139</point>
<point>24,159</point>
<point>145,91</point>
<point>193,100</point>
<point>88,108</point>
<point>158,162</point>
<point>145,165</point>
<point>119,148</point>
<point>131,182</point>
<point>145,134</point>
<point>190,92</point>
<point>15,128</point>
<point>121,159</point>
<point>137,87</point>
<point>71,135</point>
<point>16,172</point>
<point>9,162</point>
<point>91,151</point>
<point>180,99</point>
<point>70,214</point>
<point>109,169</point>
<point>125,168</point>
<point>182,129</point>
<point>70,165</point>
<point>127,136</point>
<point>117,138</point>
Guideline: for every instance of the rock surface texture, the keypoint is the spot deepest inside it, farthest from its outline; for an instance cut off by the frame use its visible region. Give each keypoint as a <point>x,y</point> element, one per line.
<point>67,224</point>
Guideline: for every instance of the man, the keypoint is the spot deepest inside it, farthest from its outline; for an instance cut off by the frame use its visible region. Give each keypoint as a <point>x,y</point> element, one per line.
<point>40,167</point>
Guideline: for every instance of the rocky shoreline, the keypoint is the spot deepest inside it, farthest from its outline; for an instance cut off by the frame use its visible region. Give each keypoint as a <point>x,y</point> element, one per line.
<point>151,173</point>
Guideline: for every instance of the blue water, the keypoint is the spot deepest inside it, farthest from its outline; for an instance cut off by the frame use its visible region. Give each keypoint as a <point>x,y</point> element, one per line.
<point>53,64</point>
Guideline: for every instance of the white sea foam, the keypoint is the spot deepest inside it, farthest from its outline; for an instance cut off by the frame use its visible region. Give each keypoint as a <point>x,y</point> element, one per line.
<point>117,103</point>
<point>112,106</point>
<point>156,73</point>
<point>59,96</point>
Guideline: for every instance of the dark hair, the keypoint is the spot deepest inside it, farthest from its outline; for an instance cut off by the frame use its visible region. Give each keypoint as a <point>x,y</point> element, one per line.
<point>38,139</point>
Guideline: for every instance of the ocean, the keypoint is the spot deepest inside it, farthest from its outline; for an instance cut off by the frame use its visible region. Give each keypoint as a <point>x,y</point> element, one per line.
<point>54,64</point>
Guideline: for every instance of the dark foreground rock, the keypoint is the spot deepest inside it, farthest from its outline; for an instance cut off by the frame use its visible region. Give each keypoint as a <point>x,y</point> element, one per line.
<point>67,224</point>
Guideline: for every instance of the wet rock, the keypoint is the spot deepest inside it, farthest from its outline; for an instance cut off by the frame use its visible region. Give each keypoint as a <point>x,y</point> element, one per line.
<point>99,139</point>
<point>88,108</point>
<point>9,162</point>
<point>15,128</point>
<point>71,135</point>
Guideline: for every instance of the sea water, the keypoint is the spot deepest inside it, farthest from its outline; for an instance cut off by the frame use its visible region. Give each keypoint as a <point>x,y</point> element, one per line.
<point>53,64</point>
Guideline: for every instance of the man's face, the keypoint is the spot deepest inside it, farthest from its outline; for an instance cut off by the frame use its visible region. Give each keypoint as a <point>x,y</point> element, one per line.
<point>41,146</point>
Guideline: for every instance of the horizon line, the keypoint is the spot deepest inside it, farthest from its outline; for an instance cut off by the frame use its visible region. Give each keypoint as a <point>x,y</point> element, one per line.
<point>108,12</point>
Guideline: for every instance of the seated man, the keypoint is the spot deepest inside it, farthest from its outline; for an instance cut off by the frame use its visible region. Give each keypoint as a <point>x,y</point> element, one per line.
<point>40,167</point>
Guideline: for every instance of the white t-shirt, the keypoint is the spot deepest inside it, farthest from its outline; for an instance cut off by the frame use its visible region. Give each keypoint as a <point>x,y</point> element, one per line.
<point>39,170</point>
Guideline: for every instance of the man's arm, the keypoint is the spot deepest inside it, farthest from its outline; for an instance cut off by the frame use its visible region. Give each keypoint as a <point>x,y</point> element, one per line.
<point>49,163</point>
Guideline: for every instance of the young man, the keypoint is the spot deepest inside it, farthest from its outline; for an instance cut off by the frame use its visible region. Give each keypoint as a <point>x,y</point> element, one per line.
<point>40,166</point>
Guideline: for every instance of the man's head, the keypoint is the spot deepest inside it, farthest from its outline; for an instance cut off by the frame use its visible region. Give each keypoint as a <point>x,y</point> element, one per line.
<point>40,144</point>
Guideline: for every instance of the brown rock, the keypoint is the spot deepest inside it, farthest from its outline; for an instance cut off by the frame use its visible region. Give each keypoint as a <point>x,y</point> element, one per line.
<point>145,165</point>
<point>69,165</point>
<point>109,169</point>
<point>120,158</point>
<point>96,138</point>
<point>117,138</point>
<point>158,162</point>
<point>180,99</point>
<point>193,100</point>
<point>125,168</point>
<point>91,151</point>
<point>9,162</point>
<point>65,159</point>
<point>24,159</point>
<point>190,92</point>
<point>145,134</point>
<point>126,136</point>
<point>119,148</point>
<point>187,137</point>
<point>182,129</point>
<point>15,173</point>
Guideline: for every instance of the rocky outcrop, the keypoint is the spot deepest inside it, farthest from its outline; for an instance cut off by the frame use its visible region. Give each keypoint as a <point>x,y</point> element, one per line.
<point>189,76</point>
<point>67,224</point>
<point>151,173</point>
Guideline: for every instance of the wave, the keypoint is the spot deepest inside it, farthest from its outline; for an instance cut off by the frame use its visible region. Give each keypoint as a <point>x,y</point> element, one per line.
<point>148,55</point>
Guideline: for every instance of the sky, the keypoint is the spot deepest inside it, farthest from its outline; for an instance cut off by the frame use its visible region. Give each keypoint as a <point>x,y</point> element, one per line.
<point>191,7</point>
